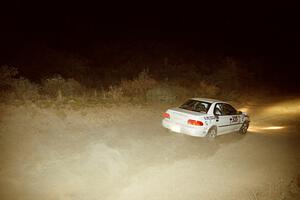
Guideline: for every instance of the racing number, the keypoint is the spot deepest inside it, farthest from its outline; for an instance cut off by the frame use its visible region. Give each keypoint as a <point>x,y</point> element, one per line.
<point>234,119</point>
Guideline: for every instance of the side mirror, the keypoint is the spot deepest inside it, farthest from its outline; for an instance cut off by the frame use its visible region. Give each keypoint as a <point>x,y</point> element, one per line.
<point>217,114</point>
<point>217,117</point>
<point>239,112</point>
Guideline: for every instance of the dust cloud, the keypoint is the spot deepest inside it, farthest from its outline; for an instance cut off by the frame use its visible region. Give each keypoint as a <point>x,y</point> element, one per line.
<point>122,152</point>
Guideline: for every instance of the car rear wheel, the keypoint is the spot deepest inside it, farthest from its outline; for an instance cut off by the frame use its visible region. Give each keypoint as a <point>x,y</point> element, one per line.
<point>244,128</point>
<point>212,133</point>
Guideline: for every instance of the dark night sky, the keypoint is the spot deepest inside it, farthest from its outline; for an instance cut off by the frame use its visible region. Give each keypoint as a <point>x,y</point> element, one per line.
<point>268,32</point>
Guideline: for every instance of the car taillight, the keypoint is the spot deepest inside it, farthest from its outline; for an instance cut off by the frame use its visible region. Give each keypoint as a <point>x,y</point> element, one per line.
<point>166,115</point>
<point>195,122</point>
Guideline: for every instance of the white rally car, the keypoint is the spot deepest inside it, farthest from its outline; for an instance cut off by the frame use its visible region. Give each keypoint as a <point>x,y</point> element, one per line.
<point>205,117</point>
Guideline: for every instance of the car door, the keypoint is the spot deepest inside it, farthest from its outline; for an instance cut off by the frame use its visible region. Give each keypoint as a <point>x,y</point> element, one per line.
<point>234,118</point>
<point>223,119</point>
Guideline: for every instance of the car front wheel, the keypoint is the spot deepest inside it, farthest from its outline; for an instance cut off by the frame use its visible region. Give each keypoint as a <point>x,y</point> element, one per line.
<point>244,128</point>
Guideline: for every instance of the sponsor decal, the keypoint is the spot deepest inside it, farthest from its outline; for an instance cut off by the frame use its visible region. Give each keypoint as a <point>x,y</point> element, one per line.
<point>209,117</point>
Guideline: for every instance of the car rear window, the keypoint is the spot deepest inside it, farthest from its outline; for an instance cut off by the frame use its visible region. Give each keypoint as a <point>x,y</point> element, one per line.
<point>196,106</point>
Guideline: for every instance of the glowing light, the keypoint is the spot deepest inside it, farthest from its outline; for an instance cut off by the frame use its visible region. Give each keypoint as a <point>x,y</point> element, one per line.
<point>262,128</point>
<point>244,109</point>
<point>273,128</point>
<point>286,107</point>
<point>253,129</point>
<point>272,118</point>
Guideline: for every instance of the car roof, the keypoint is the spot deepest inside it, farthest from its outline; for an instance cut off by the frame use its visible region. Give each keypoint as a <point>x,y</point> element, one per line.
<point>208,100</point>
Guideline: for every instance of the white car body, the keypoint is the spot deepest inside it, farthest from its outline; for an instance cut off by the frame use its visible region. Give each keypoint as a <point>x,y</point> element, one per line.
<point>183,120</point>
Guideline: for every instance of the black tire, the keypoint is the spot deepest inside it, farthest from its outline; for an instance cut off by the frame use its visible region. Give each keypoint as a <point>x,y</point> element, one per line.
<point>244,128</point>
<point>212,133</point>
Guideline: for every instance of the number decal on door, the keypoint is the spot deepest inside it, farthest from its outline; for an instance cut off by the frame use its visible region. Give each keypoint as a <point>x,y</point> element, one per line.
<point>234,119</point>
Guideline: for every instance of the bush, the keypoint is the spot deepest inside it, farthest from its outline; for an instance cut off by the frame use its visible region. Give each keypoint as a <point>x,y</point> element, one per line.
<point>161,94</point>
<point>57,87</point>
<point>231,75</point>
<point>137,88</point>
<point>25,90</point>
<point>7,77</point>
<point>206,89</point>
<point>114,93</point>
<point>13,88</point>
<point>174,82</point>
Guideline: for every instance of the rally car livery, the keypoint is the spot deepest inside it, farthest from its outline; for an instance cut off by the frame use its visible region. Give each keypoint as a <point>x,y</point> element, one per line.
<point>205,117</point>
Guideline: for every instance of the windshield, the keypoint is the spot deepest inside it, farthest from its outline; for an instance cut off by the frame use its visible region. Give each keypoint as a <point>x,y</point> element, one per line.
<point>197,106</point>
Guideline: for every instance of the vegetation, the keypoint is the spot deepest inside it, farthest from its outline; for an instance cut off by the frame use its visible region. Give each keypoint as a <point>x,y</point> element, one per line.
<point>79,83</point>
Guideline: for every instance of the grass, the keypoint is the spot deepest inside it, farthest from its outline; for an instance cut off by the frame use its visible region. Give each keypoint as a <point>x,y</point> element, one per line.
<point>171,84</point>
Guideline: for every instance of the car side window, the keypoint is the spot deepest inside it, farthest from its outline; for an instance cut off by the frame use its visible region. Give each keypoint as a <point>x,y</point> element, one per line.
<point>199,107</point>
<point>218,109</point>
<point>224,109</point>
<point>228,109</point>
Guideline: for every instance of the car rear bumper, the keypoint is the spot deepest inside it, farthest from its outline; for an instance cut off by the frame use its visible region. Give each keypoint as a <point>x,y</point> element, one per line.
<point>185,129</point>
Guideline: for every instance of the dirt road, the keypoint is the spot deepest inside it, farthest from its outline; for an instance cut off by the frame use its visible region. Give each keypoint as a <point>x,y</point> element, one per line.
<point>124,153</point>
